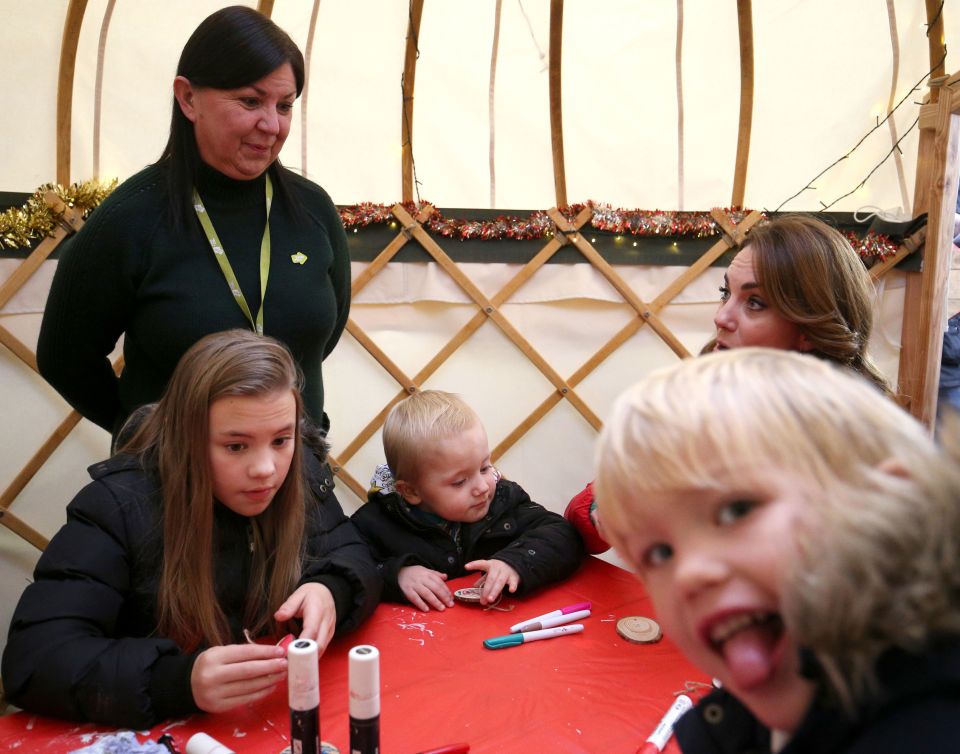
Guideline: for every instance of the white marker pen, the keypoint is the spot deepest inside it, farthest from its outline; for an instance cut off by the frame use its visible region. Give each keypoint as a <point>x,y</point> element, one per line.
<point>364,675</point>
<point>556,620</point>
<point>303,693</point>
<point>661,734</point>
<point>201,743</point>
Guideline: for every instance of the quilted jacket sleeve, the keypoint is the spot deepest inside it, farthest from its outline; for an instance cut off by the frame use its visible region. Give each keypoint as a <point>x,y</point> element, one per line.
<point>393,545</point>
<point>338,558</point>
<point>546,547</point>
<point>65,656</point>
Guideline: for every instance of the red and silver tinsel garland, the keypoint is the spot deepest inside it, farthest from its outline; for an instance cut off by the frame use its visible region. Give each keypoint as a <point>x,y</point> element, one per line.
<point>538,225</point>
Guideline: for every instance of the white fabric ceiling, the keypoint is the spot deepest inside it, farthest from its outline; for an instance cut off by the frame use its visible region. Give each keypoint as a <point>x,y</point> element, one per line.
<point>824,75</point>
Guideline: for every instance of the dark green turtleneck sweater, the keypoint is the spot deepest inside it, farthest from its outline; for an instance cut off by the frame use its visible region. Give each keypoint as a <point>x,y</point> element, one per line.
<point>127,272</point>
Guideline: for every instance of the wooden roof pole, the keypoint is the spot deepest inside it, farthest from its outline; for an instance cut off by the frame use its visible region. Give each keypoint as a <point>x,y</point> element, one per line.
<point>936,46</point>
<point>556,108</point>
<point>265,7</point>
<point>68,63</point>
<point>745,27</point>
<point>406,110</point>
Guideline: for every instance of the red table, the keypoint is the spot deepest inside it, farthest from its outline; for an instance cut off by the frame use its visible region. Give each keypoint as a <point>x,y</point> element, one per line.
<point>590,692</point>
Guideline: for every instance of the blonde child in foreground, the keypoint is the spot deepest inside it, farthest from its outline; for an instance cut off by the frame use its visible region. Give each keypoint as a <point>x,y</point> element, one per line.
<point>798,534</point>
<point>439,509</point>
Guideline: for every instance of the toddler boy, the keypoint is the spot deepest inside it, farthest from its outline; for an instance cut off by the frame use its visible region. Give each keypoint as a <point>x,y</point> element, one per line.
<point>439,509</point>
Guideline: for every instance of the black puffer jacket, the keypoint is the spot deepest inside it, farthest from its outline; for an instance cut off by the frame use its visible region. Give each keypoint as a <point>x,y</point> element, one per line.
<point>915,711</point>
<point>82,644</point>
<point>539,545</point>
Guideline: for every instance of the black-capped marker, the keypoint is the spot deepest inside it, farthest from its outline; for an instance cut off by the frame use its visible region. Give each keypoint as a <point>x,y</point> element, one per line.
<point>303,694</point>
<point>364,682</point>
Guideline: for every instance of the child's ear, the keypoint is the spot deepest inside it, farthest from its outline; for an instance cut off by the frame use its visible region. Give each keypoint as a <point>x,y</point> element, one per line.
<point>894,467</point>
<point>408,492</point>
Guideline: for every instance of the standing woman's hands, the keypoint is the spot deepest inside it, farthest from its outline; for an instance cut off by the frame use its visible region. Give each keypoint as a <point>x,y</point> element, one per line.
<point>313,604</point>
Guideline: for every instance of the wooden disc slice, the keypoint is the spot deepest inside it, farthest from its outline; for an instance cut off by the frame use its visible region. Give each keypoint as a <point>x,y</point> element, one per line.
<point>468,594</point>
<point>639,630</point>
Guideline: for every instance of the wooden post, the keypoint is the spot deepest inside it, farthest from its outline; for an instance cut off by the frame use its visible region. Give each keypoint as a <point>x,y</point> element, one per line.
<point>925,298</point>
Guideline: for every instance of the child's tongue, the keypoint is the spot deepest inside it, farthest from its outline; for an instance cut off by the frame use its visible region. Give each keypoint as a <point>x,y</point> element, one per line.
<point>749,655</point>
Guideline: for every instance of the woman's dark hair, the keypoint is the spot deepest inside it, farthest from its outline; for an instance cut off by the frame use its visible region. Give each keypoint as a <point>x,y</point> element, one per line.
<point>231,48</point>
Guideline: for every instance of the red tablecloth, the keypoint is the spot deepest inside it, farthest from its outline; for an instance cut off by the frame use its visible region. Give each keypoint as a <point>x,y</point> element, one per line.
<point>589,692</point>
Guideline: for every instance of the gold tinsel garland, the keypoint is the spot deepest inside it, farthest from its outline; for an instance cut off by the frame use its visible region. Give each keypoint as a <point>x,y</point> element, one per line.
<point>35,219</point>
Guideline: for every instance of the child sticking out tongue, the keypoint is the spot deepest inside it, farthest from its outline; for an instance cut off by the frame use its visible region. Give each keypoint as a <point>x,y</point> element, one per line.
<point>751,652</point>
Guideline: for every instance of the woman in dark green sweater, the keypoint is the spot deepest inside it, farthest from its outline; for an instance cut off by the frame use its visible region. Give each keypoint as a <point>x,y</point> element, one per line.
<point>215,235</point>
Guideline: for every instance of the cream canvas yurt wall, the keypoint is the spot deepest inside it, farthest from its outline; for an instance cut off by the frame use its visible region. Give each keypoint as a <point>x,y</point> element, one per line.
<point>647,101</point>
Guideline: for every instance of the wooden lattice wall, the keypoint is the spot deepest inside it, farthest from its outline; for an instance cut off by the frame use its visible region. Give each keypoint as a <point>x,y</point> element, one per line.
<point>936,189</point>
<point>488,308</point>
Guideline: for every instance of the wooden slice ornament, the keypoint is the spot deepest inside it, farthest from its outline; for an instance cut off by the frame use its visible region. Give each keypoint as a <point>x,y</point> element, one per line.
<point>469,594</point>
<point>639,630</point>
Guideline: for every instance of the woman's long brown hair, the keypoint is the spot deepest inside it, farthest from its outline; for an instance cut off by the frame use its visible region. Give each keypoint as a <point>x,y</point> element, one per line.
<point>173,441</point>
<point>815,279</point>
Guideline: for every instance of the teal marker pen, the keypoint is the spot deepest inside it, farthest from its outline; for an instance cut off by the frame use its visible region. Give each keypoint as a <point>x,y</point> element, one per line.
<point>513,640</point>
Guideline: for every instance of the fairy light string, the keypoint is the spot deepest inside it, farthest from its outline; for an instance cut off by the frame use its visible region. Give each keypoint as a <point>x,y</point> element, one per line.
<point>896,147</point>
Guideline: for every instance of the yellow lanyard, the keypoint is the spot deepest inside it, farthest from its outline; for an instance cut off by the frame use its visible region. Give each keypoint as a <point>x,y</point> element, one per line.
<point>221,256</point>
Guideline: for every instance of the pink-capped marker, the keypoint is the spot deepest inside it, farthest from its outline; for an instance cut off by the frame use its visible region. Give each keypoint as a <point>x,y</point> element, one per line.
<point>657,740</point>
<point>575,608</point>
<point>557,620</point>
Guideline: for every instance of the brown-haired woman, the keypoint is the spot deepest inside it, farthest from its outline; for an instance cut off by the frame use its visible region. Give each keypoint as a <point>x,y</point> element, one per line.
<point>798,285</point>
<point>212,521</point>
